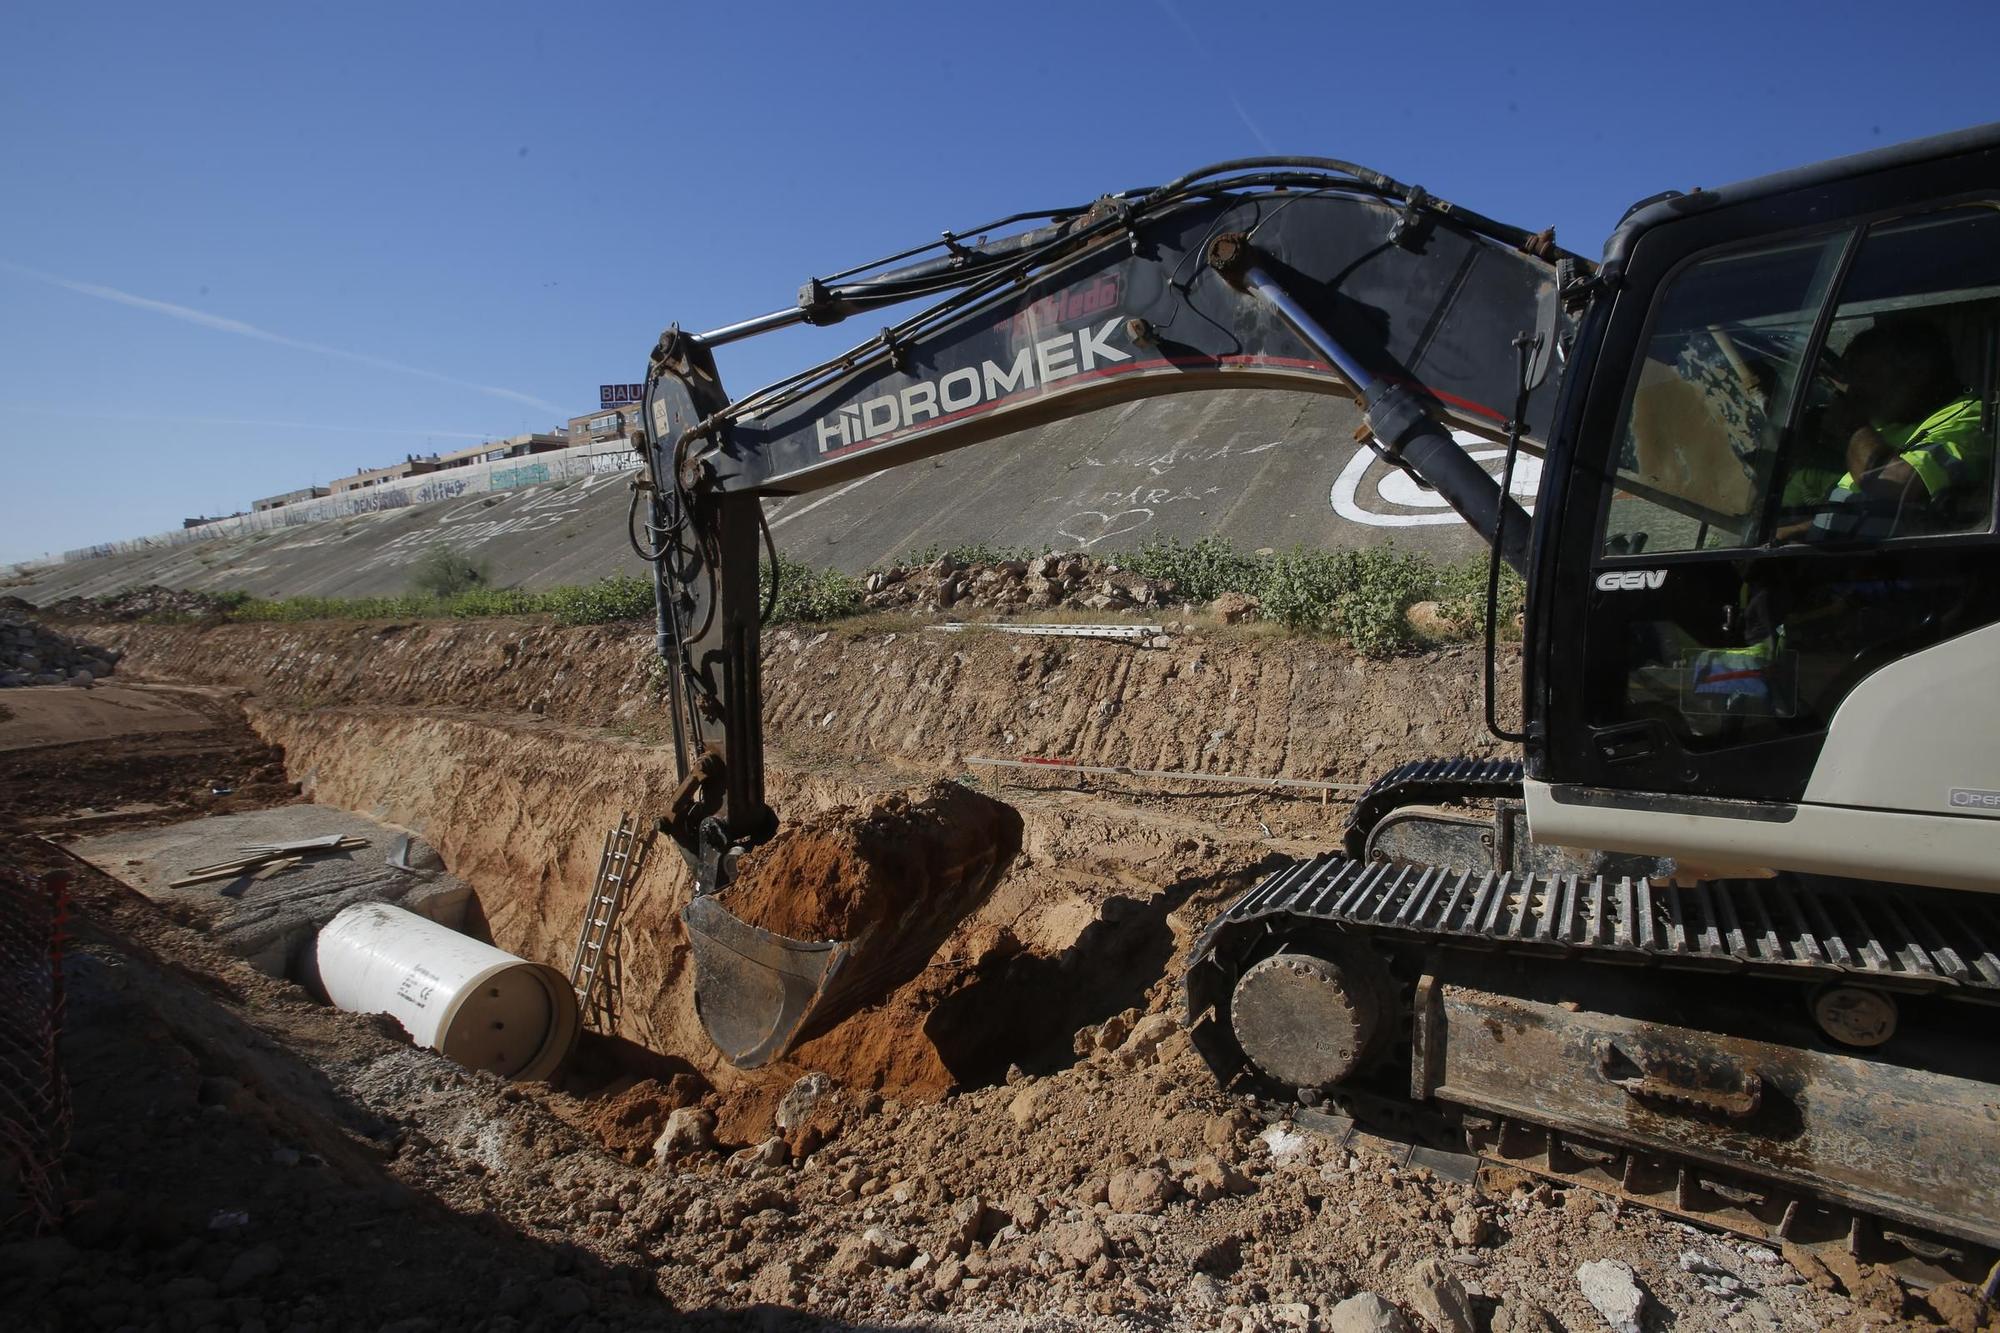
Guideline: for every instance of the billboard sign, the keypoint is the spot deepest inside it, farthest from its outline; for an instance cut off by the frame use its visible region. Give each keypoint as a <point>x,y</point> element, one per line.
<point>612,395</point>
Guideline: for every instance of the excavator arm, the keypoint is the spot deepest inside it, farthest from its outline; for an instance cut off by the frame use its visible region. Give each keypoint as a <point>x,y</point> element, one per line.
<point>1291,273</point>
<point>1298,273</point>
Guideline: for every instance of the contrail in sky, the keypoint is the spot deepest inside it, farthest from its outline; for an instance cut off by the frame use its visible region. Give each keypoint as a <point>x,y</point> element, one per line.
<point>146,417</point>
<point>223,324</point>
<point>1202,49</point>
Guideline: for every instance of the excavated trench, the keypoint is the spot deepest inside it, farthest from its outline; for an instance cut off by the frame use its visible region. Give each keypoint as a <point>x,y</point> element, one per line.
<point>1058,940</point>
<point>549,737</point>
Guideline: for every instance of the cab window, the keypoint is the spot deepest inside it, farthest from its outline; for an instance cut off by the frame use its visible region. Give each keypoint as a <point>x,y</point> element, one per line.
<point>1896,433</point>
<point>1727,441</point>
<point>1698,446</point>
<point>1803,461</point>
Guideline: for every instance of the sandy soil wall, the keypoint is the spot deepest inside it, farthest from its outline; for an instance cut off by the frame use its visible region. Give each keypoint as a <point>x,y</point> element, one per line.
<point>1217,701</point>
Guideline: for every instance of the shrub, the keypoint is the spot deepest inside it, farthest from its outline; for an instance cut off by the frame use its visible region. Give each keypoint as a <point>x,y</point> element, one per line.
<point>1383,584</point>
<point>1202,570</point>
<point>1361,596</point>
<point>476,602</point>
<point>808,594</point>
<point>619,597</point>
<point>1302,590</point>
<point>335,608</point>
<point>973,553</point>
<point>1461,597</point>
<point>441,571</point>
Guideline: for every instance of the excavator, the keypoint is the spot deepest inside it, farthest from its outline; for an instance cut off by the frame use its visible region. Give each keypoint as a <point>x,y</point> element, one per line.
<point>1724,942</point>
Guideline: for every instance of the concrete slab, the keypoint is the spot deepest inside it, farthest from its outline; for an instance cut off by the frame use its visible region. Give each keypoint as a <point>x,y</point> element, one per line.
<point>272,922</point>
<point>37,716</point>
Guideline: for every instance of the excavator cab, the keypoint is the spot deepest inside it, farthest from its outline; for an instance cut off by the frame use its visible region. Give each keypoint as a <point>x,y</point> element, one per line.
<point>1793,641</point>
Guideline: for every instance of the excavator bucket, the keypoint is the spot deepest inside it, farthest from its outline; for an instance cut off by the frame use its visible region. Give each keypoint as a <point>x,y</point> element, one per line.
<point>838,912</point>
<point>755,990</point>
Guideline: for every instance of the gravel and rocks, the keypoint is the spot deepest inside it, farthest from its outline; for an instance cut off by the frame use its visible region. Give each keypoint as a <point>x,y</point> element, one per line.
<point>1613,1292</point>
<point>1368,1313</point>
<point>1070,582</point>
<point>150,602</point>
<point>33,654</point>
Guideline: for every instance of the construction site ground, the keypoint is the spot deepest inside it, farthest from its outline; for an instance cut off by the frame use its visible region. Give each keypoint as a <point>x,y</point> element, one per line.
<point>1018,1138</point>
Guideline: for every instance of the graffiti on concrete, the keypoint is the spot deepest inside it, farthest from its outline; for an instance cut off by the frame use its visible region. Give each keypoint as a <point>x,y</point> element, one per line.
<point>1117,514</point>
<point>371,501</point>
<point>1123,517</point>
<point>584,462</point>
<point>627,461</point>
<point>1087,527</point>
<point>485,518</point>
<point>439,489</point>
<point>528,474</point>
<point>1163,463</point>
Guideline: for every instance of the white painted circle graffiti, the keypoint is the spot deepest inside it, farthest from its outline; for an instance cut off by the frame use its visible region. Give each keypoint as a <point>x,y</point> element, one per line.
<point>1400,502</point>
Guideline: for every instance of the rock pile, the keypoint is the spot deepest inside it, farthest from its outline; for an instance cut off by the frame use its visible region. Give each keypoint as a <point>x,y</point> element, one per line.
<point>141,603</point>
<point>1046,582</point>
<point>33,654</point>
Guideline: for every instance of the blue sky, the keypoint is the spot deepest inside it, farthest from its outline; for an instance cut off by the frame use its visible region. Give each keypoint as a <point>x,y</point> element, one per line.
<point>248,247</point>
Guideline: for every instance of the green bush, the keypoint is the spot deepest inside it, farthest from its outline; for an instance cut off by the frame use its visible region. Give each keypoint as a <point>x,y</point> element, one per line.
<point>620,597</point>
<point>1373,609</point>
<point>443,572</point>
<point>973,553</point>
<point>1302,590</point>
<point>330,608</point>
<point>1201,570</point>
<point>1461,597</point>
<point>474,603</point>
<point>1362,597</point>
<point>808,594</point>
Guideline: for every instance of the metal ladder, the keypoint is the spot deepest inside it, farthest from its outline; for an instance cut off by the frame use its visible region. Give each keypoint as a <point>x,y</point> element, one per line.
<point>596,972</point>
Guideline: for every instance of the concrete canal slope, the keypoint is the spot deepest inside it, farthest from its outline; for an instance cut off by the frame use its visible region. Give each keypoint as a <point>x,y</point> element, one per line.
<point>1263,468</point>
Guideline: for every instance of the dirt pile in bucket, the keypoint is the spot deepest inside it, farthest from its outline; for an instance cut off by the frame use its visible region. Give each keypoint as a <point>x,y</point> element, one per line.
<point>888,881</point>
<point>892,863</point>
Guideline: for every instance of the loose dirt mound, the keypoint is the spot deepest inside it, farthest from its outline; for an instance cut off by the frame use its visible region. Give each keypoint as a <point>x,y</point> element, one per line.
<point>898,859</point>
<point>892,879</point>
<point>139,603</point>
<point>629,1121</point>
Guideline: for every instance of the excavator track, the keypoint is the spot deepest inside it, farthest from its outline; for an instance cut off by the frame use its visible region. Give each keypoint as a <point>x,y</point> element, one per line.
<point>1428,782</point>
<point>1513,1025</point>
<point>1921,942</point>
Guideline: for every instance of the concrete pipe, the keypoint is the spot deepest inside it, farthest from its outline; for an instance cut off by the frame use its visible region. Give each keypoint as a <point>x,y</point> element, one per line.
<point>482,1007</point>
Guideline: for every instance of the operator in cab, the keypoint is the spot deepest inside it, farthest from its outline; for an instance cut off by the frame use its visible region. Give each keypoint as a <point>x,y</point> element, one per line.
<point>1910,435</point>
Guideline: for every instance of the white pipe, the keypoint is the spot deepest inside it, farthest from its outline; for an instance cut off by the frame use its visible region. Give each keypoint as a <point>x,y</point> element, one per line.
<point>479,1005</point>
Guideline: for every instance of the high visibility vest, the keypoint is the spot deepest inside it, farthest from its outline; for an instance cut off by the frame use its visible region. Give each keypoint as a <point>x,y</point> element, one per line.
<point>1947,450</point>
